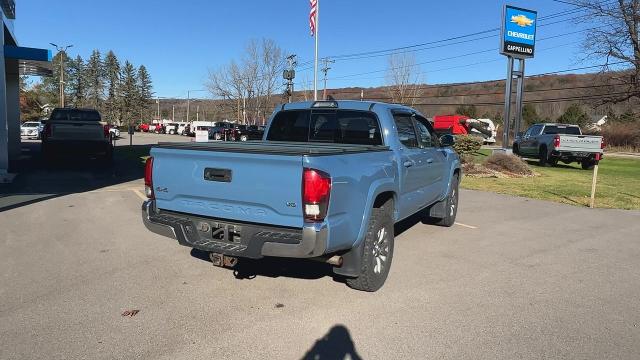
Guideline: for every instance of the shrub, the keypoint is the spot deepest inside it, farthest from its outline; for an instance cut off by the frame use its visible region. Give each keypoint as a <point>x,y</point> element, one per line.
<point>508,164</point>
<point>467,145</point>
<point>623,135</point>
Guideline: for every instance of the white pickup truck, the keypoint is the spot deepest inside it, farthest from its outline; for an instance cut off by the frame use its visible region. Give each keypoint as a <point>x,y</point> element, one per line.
<point>551,143</point>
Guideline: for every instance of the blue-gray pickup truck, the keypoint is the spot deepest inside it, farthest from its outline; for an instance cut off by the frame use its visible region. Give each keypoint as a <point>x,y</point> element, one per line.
<point>328,181</point>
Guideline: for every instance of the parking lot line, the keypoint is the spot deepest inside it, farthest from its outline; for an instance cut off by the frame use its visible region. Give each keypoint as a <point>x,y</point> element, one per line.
<point>465,225</point>
<point>139,193</point>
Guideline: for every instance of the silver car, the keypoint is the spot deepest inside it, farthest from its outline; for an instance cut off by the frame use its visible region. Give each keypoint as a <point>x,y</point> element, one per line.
<point>31,129</point>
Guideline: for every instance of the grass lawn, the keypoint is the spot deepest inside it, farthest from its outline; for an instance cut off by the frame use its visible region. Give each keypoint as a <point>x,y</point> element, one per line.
<point>618,183</point>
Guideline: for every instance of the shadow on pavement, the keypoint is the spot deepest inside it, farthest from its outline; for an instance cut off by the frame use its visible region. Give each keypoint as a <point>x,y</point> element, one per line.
<point>336,344</point>
<point>38,180</point>
<point>274,267</point>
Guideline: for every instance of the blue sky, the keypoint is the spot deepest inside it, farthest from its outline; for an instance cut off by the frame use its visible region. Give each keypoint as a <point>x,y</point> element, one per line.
<point>179,41</point>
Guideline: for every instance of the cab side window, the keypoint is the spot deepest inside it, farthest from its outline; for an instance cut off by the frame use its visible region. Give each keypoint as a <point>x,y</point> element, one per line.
<point>426,135</point>
<point>406,130</point>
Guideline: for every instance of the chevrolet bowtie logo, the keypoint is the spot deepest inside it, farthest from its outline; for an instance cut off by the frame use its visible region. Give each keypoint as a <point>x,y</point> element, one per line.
<point>521,20</point>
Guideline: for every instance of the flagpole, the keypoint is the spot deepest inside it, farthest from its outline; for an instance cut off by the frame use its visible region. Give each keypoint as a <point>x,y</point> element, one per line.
<point>315,60</point>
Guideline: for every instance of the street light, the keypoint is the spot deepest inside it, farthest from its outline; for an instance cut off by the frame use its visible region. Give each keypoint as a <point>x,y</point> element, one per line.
<point>188,98</point>
<point>62,50</point>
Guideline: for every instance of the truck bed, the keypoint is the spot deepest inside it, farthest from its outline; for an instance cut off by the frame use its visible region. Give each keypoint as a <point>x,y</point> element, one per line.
<point>275,147</point>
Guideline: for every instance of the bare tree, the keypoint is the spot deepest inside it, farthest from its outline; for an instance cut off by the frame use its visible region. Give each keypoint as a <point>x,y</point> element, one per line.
<point>403,78</point>
<point>615,40</point>
<point>251,82</point>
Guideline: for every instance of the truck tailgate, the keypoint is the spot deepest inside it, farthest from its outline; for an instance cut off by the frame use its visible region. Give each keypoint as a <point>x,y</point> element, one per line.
<point>76,130</point>
<point>251,187</point>
<point>580,143</point>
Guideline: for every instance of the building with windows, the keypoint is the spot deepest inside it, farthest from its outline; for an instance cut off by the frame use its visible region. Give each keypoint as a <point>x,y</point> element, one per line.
<point>14,62</point>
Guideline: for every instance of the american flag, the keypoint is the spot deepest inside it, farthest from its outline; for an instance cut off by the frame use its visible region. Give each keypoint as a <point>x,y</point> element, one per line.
<point>312,16</point>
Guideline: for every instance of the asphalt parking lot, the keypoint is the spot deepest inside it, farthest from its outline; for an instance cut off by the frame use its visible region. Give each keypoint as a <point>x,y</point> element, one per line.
<point>515,278</point>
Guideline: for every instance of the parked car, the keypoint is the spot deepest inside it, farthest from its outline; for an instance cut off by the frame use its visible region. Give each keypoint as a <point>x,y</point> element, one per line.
<point>115,131</point>
<point>175,128</point>
<point>329,182</point>
<point>183,128</point>
<point>31,129</point>
<point>144,127</point>
<point>76,131</point>
<point>550,143</point>
<point>220,129</point>
<point>247,132</point>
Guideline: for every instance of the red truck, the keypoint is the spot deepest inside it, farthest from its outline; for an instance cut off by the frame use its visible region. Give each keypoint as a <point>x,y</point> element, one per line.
<point>463,125</point>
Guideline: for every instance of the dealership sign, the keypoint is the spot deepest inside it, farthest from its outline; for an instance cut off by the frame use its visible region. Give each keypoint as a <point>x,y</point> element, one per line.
<point>518,32</point>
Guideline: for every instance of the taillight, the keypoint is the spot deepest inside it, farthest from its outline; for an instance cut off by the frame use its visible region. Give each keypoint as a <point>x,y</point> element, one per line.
<point>316,188</point>
<point>148,178</point>
<point>602,143</point>
<point>105,130</point>
<point>556,141</point>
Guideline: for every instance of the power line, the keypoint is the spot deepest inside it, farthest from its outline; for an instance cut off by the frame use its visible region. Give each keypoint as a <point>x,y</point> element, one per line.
<point>502,80</point>
<point>486,31</point>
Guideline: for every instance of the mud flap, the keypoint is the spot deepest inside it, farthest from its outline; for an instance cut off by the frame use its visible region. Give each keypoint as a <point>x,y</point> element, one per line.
<point>438,209</point>
<point>351,262</point>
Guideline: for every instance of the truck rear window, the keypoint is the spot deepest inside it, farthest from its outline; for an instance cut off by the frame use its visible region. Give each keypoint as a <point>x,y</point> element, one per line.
<point>334,126</point>
<point>563,130</point>
<point>75,115</point>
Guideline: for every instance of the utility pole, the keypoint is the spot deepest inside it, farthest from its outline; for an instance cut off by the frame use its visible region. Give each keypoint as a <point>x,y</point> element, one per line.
<point>173,113</point>
<point>188,98</point>
<point>158,103</point>
<point>198,113</point>
<point>289,74</point>
<point>325,69</point>
<point>62,50</point>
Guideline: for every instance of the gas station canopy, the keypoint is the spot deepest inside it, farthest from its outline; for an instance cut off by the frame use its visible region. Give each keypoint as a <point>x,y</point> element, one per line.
<point>31,61</point>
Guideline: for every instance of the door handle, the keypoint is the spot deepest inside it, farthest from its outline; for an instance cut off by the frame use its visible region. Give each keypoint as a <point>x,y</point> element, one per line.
<point>408,163</point>
<point>429,161</point>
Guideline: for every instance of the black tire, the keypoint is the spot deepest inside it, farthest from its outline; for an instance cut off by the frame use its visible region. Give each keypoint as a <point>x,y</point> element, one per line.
<point>377,251</point>
<point>543,156</point>
<point>451,204</point>
<point>588,164</point>
<point>244,138</point>
<point>217,136</point>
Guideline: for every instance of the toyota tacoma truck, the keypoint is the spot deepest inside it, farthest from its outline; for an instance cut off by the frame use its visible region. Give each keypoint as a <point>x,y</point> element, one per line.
<point>550,143</point>
<point>328,181</point>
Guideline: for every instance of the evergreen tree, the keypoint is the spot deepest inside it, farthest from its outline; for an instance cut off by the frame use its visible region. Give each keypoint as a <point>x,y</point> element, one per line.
<point>574,115</point>
<point>529,115</point>
<point>113,82</point>
<point>77,82</point>
<point>467,110</point>
<point>129,94</point>
<point>145,92</point>
<point>95,80</point>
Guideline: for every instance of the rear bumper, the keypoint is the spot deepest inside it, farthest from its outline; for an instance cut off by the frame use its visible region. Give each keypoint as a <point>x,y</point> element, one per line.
<point>577,155</point>
<point>234,238</point>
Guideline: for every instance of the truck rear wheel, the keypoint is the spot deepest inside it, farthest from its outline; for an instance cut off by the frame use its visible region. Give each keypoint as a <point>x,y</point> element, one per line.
<point>588,164</point>
<point>543,157</point>
<point>377,251</point>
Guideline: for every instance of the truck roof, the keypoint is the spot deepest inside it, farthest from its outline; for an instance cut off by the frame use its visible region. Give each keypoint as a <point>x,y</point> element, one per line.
<point>556,124</point>
<point>344,104</point>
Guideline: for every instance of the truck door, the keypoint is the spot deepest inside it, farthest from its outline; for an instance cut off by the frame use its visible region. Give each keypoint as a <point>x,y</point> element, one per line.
<point>527,146</point>
<point>433,182</point>
<point>413,166</point>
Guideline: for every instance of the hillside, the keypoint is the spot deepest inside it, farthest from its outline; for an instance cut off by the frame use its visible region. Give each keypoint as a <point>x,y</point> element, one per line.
<point>548,95</point>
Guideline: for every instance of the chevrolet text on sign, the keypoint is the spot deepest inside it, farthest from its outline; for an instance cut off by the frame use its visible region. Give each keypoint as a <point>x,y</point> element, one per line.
<point>518,32</point>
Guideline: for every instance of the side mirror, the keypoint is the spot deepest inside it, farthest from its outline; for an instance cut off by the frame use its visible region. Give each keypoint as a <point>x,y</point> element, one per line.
<point>447,140</point>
